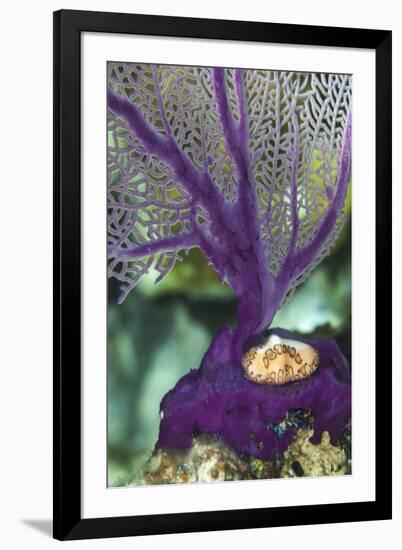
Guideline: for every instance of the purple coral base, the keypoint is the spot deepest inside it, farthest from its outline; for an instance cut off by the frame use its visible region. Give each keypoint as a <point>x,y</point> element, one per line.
<point>217,399</point>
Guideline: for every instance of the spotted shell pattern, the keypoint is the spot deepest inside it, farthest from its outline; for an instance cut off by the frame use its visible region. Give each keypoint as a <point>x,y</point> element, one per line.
<point>279,361</point>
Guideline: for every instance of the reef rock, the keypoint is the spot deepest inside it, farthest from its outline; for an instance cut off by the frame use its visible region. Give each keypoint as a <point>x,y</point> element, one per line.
<point>210,460</point>
<point>302,458</point>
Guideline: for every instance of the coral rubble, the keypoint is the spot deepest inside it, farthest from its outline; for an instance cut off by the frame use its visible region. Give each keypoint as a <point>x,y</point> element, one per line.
<point>210,460</point>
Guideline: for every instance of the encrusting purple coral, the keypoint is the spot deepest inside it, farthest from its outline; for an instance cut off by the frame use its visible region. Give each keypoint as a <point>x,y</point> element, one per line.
<point>217,399</point>
<point>252,167</point>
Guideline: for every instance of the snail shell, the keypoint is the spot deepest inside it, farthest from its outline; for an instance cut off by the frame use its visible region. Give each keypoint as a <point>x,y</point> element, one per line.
<point>279,361</point>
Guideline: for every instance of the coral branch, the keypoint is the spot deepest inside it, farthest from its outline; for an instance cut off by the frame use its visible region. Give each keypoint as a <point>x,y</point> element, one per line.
<point>196,182</point>
<point>236,136</point>
<point>160,102</point>
<point>223,108</point>
<point>170,244</point>
<point>293,189</point>
<point>243,114</point>
<point>305,256</point>
<point>152,141</point>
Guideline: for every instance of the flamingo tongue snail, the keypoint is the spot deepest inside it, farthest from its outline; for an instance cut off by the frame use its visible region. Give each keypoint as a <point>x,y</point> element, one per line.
<point>279,361</point>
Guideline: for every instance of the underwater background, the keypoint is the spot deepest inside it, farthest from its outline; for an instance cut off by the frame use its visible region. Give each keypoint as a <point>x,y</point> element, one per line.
<point>161,332</point>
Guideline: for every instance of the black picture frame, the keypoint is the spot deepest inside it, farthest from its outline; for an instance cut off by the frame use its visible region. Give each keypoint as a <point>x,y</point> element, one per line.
<point>68,26</point>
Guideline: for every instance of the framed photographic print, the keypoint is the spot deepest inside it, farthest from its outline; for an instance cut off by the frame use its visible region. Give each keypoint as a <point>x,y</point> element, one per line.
<point>222,226</point>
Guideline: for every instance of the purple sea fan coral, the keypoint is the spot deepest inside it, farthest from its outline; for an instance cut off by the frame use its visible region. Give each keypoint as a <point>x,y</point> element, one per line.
<point>250,166</point>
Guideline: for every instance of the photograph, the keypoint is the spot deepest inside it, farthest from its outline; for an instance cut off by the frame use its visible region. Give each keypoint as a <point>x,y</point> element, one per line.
<point>229,333</point>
